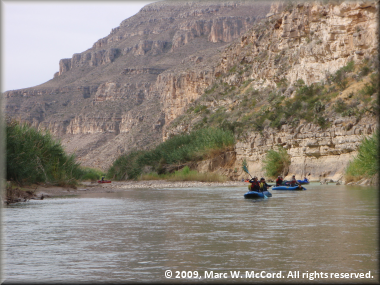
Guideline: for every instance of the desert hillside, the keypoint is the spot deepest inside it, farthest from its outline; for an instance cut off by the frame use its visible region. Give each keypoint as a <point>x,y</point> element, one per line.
<point>302,75</point>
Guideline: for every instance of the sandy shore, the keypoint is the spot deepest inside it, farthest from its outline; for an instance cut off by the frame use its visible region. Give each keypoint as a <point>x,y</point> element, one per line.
<point>115,186</point>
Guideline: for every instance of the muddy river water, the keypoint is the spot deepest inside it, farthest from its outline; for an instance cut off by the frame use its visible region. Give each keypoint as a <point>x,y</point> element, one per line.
<point>327,233</point>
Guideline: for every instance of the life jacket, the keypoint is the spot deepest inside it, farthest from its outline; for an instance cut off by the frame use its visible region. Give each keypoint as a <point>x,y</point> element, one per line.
<point>255,186</point>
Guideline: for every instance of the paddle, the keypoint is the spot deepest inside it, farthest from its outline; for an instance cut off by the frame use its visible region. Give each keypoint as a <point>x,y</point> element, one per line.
<point>245,168</point>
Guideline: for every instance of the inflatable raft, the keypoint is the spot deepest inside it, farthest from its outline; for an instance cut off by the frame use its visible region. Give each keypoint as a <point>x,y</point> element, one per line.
<point>294,188</point>
<point>104,181</point>
<point>305,181</point>
<point>255,194</point>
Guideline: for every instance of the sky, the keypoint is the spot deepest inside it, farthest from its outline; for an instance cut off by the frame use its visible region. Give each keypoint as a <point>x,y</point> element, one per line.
<point>36,35</point>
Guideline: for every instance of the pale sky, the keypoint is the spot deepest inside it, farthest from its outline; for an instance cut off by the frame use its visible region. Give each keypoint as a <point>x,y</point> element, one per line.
<point>35,35</point>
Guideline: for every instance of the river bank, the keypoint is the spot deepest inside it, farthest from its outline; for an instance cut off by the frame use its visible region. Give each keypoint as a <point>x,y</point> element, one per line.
<point>116,186</point>
<point>49,191</point>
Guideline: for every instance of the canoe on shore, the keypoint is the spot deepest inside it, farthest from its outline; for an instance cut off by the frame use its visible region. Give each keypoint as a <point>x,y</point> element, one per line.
<point>256,194</point>
<point>104,181</point>
<point>294,188</point>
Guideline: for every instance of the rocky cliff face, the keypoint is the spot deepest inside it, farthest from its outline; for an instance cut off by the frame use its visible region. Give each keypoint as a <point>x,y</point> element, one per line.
<point>322,153</point>
<point>308,41</point>
<point>131,88</point>
<point>105,100</point>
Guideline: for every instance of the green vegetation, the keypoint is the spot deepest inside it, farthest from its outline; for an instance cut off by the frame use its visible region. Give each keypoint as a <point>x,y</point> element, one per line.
<point>276,162</point>
<point>243,108</point>
<point>185,174</point>
<point>179,149</point>
<point>34,157</point>
<point>366,163</point>
<point>91,174</point>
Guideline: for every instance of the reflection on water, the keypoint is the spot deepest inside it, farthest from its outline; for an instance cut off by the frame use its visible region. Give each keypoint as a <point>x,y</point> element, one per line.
<point>136,235</point>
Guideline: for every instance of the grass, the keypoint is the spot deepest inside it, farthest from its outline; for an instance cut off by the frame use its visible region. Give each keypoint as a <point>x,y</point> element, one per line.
<point>366,163</point>
<point>195,146</point>
<point>35,157</point>
<point>276,162</point>
<point>185,174</point>
<point>91,174</point>
<point>255,110</point>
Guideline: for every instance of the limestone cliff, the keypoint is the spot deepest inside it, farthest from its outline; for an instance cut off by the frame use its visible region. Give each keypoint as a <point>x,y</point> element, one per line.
<point>105,100</point>
<point>308,41</point>
<point>150,77</point>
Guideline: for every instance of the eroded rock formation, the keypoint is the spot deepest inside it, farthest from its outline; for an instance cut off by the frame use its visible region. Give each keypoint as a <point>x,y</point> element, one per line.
<point>125,92</point>
<point>106,100</point>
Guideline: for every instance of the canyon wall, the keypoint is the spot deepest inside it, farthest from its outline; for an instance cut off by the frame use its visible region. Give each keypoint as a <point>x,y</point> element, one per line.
<point>127,91</point>
<point>106,101</point>
<point>307,41</point>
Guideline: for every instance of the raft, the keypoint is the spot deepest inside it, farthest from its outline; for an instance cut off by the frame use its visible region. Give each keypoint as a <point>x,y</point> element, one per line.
<point>105,181</point>
<point>294,188</point>
<point>305,181</point>
<point>255,194</point>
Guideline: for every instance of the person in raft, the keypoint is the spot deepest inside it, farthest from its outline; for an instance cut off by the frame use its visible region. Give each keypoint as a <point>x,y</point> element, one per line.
<point>102,178</point>
<point>279,181</point>
<point>263,185</point>
<point>293,182</point>
<point>254,184</point>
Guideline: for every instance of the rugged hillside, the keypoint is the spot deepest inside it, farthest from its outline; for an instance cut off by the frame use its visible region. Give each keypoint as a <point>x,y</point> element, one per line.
<point>305,78</point>
<point>105,100</point>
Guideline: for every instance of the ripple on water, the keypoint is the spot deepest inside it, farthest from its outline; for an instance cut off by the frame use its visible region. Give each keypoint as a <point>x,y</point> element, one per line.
<point>136,234</point>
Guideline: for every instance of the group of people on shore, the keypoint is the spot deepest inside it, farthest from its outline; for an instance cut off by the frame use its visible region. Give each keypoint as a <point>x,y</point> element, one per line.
<point>261,186</point>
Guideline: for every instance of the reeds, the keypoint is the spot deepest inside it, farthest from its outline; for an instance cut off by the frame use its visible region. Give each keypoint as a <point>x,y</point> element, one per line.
<point>34,157</point>
<point>276,162</point>
<point>185,174</point>
<point>366,163</point>
<point>178,149</point>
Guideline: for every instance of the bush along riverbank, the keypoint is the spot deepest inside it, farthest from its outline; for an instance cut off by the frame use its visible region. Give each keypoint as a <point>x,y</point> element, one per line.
<point>276,162</point>
<point>172,155</point>
<point>364,168</point>
<point>33,157</point>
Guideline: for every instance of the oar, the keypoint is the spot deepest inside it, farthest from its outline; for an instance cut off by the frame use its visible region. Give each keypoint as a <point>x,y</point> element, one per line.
<point>246,170</point>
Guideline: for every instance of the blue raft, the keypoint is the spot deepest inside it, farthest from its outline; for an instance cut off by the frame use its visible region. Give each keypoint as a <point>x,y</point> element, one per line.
<point>255,194</point>
<point>294,188</point>
<point>304,181</point>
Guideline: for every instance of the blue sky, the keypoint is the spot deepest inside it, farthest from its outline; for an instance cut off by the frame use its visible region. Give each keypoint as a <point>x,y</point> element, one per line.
<point>35,35</point>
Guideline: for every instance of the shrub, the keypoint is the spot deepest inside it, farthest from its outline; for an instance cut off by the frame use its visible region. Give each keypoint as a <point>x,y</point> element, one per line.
<point>91,174</point>
<point>178,149</point>
<point>340,106</point>
<point>233,69</point>
<point>34,157</point>
<point>276,162</point>
<point>200,108</point>
<point>371,87</point>
<point>318,107</point>
<point>366,163</point>
<point>322,122</point>
<point>364,71</point>
<point>349,67</point>
<point>340,76</point>
<point>185,174</point>
<point>282,83</point>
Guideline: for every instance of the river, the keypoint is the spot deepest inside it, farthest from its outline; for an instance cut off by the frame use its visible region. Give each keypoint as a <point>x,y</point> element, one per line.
<point>203,233</point>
